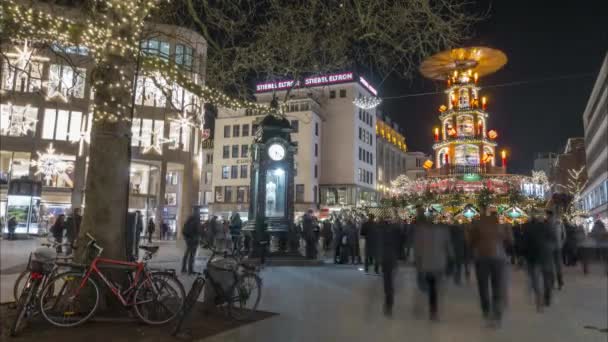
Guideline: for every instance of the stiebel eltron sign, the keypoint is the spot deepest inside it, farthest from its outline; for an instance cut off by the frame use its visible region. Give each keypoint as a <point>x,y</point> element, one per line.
<point>328,79</point>
<point>312,81</point>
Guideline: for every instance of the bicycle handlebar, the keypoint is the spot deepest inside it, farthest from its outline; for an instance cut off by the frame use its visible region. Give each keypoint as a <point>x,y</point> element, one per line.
<point>93,243</point>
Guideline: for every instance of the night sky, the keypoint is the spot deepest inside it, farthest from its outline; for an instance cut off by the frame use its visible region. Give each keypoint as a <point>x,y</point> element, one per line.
<point>542,42</point>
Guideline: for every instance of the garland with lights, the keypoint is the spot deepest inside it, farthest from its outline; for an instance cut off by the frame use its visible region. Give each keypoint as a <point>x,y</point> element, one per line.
<point>101,35</point>
<point>367,102</point>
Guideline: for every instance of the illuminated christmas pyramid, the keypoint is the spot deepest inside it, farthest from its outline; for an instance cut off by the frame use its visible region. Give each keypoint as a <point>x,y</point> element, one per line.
<point>463,143</point>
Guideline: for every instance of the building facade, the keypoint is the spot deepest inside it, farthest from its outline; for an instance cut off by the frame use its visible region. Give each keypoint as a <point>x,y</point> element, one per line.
<point>335,163</point>
<point>45,108</point>
<point>391,151</point>
<point>545,162</point>
<point>414,164</point>
<point>572,159</point>
<point>595,120</point>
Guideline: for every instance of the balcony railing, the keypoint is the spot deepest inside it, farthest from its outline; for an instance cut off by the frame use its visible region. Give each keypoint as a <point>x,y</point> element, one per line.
<point>459,170</point>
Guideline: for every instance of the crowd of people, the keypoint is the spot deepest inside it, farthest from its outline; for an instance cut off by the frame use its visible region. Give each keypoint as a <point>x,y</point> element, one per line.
<point>443,248</point>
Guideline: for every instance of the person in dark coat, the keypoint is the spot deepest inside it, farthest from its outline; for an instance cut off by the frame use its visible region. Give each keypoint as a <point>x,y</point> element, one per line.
<point>326,234</point>
<point>164,230</point>
<point>236,224</point>
<point>352,237</point>
<point>537,247</point>
<point>58,230</point>
<point>457,237</point>
<point>192,234</point>
<point>569,250</point>
<point>12,226</point>
<point>339,241</point>
<point>387,252</point>
<point>369,232</point>
<point>151,229</point>
<point>433,249</point>
<point>309,234</point>
<point>72,225</point>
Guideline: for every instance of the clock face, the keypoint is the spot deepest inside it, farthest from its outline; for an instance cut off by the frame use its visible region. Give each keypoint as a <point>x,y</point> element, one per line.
<point>276,152</point>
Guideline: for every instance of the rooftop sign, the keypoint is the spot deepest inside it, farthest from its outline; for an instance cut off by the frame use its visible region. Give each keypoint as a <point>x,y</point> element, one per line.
<point>368,86</point>
<point>314,81</point>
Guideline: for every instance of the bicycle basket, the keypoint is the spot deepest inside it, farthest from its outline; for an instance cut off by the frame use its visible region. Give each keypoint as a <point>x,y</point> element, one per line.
<point>42,260</point>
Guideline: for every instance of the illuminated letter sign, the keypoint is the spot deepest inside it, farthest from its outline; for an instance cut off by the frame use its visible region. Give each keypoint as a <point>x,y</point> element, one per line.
<point>328,79</point>
<point>368,86</point>
<point>268,86</point>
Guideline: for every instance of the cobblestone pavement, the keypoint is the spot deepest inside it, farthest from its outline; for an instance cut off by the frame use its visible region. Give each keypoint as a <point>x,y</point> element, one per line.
<point>341,303</point>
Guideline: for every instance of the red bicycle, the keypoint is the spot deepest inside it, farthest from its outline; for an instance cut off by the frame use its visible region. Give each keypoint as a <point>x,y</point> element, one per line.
<point>73,297</point>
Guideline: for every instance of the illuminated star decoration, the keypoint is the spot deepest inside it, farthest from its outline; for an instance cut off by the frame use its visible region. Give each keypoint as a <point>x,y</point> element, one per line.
<point>184,121</point>
<point>24,56</point>
<point>153,141</point>
<point>20,123</point>
<point>367,102</point>
<point>50,164</point>
<point>81,138</point>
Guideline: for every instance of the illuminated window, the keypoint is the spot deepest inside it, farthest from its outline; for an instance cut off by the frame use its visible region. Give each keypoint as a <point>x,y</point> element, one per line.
<point>149,91</point>
<point>183,56</point>
<point>66,81</point>
<point>225,172</point>
<point>156,47</point>
<point>27,79</point>
<point>17,121</point>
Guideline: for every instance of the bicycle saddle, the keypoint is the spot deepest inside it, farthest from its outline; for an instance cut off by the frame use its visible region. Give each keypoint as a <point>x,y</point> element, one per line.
<point>149,249</point>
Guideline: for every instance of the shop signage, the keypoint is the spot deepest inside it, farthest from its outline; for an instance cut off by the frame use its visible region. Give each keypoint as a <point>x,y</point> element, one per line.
<point>328,79</point>
<point>314,81</point>
<point>243,161</point>
<point>268,86</point>
<point>368,86</point>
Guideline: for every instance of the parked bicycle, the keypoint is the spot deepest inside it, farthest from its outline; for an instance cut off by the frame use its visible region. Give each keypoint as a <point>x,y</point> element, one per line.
<point>241,297</point>
<point>73,297</point>
<point>42,265</point>
<point>60,262</point>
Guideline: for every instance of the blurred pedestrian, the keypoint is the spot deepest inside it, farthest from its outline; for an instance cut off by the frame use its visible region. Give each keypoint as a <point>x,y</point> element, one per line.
<point>236,224</point>
<point>569,251</point>
<point>164,230</point>
<point>488,241</point>
<point>308,234</point>
<point>151,228</point>
<point>326,234</point>
<point>369,232</point>
<point>432,250</point>
<point>340,241</point>
<point>387,252</point>
<point>537,245</point>
<point>557,244</point>
<point>352,236</point>
<point>458,240</point>
<point>12,226</point>
<point>58,229</point>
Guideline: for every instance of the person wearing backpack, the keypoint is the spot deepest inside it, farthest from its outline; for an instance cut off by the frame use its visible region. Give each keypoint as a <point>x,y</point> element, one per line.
<point>192,235</point>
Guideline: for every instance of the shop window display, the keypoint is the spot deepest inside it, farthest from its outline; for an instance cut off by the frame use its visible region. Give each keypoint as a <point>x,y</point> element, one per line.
<point>13,165</point>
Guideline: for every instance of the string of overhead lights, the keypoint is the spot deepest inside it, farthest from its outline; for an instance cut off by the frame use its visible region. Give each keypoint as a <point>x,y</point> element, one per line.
<point>103,35</point>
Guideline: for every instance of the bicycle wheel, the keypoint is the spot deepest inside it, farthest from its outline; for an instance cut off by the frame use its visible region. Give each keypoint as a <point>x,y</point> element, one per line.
<point>20,284</point>
<point>25,308</point>
<point>68,301</point>
<point>159,298</point>
<point>245,297</point>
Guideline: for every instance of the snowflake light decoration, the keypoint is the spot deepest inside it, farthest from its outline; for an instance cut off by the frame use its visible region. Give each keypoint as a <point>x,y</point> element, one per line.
<point>184,121</point>
<point>50,164</point>
<point>20,123</point>
<point>367,102</point>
